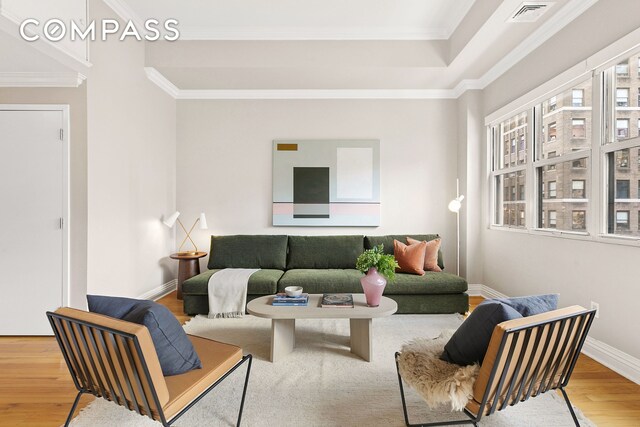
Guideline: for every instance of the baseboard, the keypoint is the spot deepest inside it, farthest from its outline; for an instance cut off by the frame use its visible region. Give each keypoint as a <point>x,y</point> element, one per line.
<point>160,291</point>
<point>614,359</point>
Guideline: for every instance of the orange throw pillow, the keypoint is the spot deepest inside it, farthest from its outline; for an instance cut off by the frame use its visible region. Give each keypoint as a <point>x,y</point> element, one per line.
<point>431,253</point>
<point>410,257</point>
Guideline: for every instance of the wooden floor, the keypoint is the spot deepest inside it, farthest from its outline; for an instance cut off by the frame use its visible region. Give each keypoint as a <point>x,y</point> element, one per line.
<point>36,389</point>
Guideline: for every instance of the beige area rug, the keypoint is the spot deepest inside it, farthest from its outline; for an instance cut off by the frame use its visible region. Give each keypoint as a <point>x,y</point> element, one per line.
<point>321,383</point>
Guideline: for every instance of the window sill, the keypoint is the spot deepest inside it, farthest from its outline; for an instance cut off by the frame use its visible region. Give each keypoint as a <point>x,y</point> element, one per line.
<point>609,239</point>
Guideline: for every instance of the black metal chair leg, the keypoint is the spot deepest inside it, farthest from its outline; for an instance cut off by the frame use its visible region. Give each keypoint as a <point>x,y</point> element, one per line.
<point>573,414</point>
<point>73,408</point>
<point>244,391</point>
<point>441,423</point>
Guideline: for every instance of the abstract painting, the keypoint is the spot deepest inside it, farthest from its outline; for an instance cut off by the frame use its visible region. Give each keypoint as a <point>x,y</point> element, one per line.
<point>326,183</point>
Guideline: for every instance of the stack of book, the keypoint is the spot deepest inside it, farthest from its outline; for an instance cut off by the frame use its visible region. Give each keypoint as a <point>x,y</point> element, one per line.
<point>283,300</point>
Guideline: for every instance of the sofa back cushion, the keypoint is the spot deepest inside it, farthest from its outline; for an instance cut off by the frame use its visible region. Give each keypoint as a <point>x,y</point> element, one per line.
<point>247,251</point>
<point>387,241</point>
<point>324,251</point>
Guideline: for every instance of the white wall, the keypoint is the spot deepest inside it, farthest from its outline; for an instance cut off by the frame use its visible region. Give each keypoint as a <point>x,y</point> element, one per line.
<point>224,162</point>
<point>131,170</point>
<point>76,98</point>
<point>520,263</point>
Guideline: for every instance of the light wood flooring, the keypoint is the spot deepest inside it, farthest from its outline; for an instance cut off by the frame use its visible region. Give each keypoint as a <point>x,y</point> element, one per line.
<point>36,389</point>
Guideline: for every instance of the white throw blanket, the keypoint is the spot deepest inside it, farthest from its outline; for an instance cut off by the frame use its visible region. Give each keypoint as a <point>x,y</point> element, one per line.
<point>228,292</point>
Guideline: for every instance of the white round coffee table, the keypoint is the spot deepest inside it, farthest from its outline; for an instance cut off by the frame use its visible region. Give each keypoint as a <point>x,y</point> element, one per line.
<point>283,321</point>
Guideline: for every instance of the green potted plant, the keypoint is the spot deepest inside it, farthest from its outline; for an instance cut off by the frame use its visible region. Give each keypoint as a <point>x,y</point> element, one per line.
<point>378,268</point>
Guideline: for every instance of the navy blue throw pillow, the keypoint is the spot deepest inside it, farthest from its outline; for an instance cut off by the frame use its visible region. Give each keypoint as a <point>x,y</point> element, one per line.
<point>529,305</point>
<point>469,343</point>
<point>175,351</point>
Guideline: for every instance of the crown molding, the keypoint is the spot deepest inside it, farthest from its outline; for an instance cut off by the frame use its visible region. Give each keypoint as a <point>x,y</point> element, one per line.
<point>41,79</point>
<point>162,82</point>
<point>307,34</point>
<point>125,12</point>
<point>317,94</point>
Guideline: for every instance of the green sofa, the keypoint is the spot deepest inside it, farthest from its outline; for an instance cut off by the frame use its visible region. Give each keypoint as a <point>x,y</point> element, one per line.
<point>322,264</point>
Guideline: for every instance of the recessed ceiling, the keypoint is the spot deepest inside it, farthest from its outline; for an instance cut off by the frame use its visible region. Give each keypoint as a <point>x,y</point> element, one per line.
<point>306,19</point>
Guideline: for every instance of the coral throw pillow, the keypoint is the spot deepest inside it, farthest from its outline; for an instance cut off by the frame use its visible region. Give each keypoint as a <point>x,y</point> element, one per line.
<point>410,257</point>
<point>431,253</point>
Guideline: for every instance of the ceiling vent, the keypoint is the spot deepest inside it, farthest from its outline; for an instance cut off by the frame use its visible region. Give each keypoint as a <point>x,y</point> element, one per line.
<point>530,11</point>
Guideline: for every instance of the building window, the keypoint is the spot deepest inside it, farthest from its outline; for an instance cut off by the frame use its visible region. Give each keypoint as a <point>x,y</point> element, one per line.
<point>638,97</point>
<point>577,97</point>
<point>622,97</point>
<point>622,69</point>
<point>622,220</point>
<point>580,163</point>
<point>622,158</point>
<point>622,128</point>
<point>577,189</point>
<point>578,220</point>
<point>551,189</point>
<point>578,128</point>
<point>551,132</point>
<point>622,189</point>
<point>552,219</point>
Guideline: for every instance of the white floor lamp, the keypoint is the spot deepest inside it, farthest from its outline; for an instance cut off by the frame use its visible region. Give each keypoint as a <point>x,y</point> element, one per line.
<point>454,206</point>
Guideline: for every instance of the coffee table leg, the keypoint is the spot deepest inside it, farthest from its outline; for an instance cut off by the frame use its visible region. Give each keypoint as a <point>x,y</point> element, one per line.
<point>361,343</point>
<point>283,337</point>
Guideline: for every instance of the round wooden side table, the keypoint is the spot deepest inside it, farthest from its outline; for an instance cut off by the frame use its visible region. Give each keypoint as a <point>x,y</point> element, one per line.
<point>188,266</point>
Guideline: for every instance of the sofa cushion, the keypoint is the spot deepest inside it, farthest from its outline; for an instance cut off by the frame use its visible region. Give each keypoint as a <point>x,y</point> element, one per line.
<point>410,258</point>
<point>323,281</point>
<point>324,251</point>
<point>469,343</point>
<point>387,241</point>
<point>430,254</point>
<point>430,283</point>
<point>529,305</point>
<point>262,282</point>
<point>175,351</point>
<point>247,251</point>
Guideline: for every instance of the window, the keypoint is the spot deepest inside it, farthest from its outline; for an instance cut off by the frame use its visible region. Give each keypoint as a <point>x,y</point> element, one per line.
<point>509,149</point>
<point>622,158</point>
<point>577,189</point>
<point>622,220</point>
<point>622,97</point>
<point>552,219</point>
<point>552,103</point>
<point>622,128</point>
<point>551,133</point>
<point>552,189</point>
<point>638,197</point>
<point>580,163</point>
<point>577,98</point>
<point>622,69</point>
<point>578,128</point>
<point>622,189</point>
<point>578,220</point>
<point>638,97</point>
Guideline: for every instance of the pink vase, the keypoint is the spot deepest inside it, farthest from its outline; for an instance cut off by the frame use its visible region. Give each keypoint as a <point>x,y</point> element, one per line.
<point>373,286</point>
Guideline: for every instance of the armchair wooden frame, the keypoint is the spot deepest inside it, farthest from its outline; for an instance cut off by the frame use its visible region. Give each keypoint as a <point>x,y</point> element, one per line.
<point>530,359</point>
<point>97,356</point>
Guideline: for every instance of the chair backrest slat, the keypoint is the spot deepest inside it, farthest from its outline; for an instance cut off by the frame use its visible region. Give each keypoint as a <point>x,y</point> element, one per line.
<point>108,362</point>
<point>547,346</point>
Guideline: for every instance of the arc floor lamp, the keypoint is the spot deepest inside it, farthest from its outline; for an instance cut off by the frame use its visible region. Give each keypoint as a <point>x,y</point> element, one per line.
<point>173,218</point>
<point>454,206</point>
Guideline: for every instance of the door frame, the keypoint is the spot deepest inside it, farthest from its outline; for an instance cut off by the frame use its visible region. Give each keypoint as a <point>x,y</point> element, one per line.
<point>64,109</point>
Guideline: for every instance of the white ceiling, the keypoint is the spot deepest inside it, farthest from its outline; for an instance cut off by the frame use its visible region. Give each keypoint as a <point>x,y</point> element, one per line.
<point>307,19</point>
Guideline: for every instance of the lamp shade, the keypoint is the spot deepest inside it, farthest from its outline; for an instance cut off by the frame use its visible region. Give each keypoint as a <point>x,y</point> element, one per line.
<point>203,222</point>
<point>169,221</point>
<point>456,204</point>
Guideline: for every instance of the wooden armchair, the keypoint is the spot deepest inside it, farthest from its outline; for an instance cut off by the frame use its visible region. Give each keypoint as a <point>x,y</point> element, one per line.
<point>116,360</point>
<point>526,357</point>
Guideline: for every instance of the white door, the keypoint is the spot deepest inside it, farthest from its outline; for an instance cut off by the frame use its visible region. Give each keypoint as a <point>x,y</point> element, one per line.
<point>32,197</point>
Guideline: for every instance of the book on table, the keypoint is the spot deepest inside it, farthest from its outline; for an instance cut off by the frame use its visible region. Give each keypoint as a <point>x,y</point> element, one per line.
<point>283,300</point>
<point>337,300</point>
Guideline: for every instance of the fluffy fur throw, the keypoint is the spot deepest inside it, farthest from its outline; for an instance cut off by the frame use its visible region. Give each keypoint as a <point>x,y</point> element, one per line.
<point>437,381</point>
